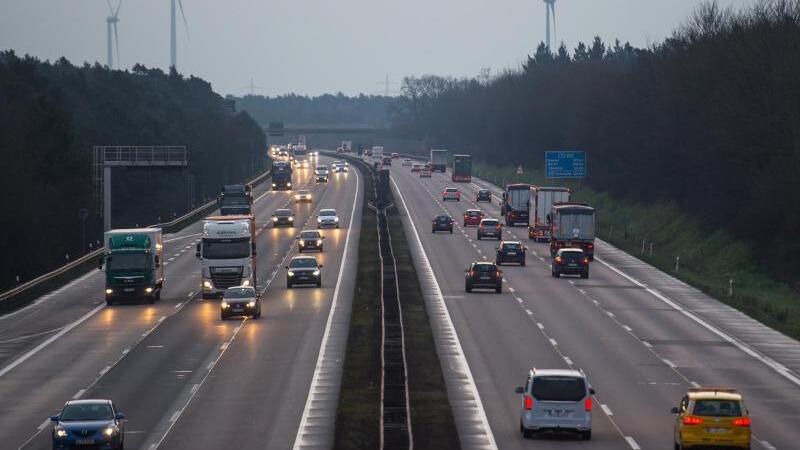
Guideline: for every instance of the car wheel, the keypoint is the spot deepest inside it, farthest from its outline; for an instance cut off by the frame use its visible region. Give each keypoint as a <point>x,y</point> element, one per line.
<point>109,301</point>
<point>451,231</point>
<point>522,263</point>
<point>319,284</point>
<point>320,249</point>
<point>558,274</point>
<point>288,285</point>
<point>553,273</point>
<point>479,237</point>
<point>527,434</point>
<point>676,446</point>
<point>586,435</point>
<point>222,316</point>
<point>499,288</point>
<point>468,288</point>
<point>458,199</point>
<point>585,275</point>
<point>433,230</point>
<point>158,296</point>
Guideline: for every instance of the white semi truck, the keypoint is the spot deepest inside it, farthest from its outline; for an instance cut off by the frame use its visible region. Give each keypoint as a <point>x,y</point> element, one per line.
<point>227,253</point>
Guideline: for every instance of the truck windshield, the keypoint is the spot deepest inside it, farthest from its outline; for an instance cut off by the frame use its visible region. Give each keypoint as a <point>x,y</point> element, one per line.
<point>128,261</point>
<point>226,248</point>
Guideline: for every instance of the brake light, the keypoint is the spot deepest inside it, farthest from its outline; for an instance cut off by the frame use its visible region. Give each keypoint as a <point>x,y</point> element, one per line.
<point>528,403</point>
<point>458,194</point>
<point>559,260</point>
<point>585,261</point>
<point>692,420</point>
<point>590,246</point>
<point>587,404</point>
<point>741,422</point>
<point>497,226</point>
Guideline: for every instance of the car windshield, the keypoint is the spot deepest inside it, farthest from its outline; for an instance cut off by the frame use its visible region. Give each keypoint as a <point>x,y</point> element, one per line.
<point>240,292</point>
<point>443,219</point>
<point>558,389</point>
<point>451,190</point>
<point>283,213</point>
<point>309,235</point>
<point>87,411</point>
<point>303,263</point>
<point>303,192</point>
<point>490,223</point>
<point>128,261</point>
<point>717,408</point>
<point>511,247</point>
<point>327,212</point>
<point>484,268</point>
<point>473,213</point>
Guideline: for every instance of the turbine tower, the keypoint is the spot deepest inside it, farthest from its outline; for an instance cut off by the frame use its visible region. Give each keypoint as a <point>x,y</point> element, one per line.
<point>550,5</point>
<point>173,53</point>
<point>111,26</point>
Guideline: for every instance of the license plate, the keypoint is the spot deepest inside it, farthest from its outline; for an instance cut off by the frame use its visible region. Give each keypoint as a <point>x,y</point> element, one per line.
<point>129,289</point>
<point>84,442</point>
<point>485,278</point>
<point>239,309</point>
<point>557,412</point>
<point>302,278</point>
<point>511,253</point>
<point>573,264</point>
<point>717,430</point>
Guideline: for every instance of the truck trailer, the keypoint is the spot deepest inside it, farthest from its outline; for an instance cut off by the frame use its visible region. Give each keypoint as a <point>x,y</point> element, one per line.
<point>439,161</point>
<point>227,253</point>
<point>541,205</point>
<point>572,226</point>
<point>462,168</point>
<point>515,204</point>
<point>134,264</point>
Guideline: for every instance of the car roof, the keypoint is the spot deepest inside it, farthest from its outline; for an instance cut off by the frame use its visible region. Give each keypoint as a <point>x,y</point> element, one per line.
<point>473,210</point>
<point>327,209</point>
<point>303,190</point>
<point>484,263</point>
<point>88,401</point>
<point>556,373</point>
<point>283,210</point>
<point>483,190</point>
<point>488,219</point>
<point>714,393</point>
<point>443,215</point>
<point>241,287</point>
<point>451,189</point>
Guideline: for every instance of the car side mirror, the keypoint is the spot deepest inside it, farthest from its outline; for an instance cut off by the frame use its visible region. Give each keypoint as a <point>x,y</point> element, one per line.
<point>675,410</point>
<point>286,267</point>
<point>322,237</point>
<point>119,416</point>
<point>520,390</point>
<point>320,266</point>
<point>592,391</point>
<point>55,418</point>
<point>466,270</point>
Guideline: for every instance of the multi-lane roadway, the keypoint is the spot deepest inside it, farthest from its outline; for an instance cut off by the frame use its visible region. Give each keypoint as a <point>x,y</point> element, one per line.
<point>184,378</point>
<point>639,353</point>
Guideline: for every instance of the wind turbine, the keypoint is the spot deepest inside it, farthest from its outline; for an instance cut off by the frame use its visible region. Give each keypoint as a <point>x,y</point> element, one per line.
<point>111,22</point>
<point>173,55</point>
<point>550,5</point>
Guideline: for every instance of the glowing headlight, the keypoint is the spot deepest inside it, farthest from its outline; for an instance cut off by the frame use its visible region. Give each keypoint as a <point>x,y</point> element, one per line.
<point>60,432</point>
<point>109,431</point>
<point>274,185</point>
<point>290,273</point>
<point>224,305</point>
<point>302,243</point>
<point>335,219</point>
<point>291,219</point>
<point>246,283</point>
<point>319,219</point>
<point>288,184</point>
<point>319,241</point>
<point>274,219</point>
<point>148,290</point>
<point>207,284</point>
<point>316,273</point>
<point>109,291</point>
<point>251,304</point>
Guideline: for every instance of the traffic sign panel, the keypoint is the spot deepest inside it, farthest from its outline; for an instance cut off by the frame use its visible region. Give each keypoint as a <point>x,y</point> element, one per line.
<point>565,164</point>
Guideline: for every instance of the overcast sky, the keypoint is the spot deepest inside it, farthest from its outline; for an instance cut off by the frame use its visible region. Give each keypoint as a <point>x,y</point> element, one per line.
<point>319,46</point>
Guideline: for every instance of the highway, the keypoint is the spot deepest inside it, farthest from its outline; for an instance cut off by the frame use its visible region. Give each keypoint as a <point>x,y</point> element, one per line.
<point>184,378</point>
<point>640,354</point>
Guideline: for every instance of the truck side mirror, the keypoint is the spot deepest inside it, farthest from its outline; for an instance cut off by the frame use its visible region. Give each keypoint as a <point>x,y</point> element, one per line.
<point>674,410</point>
<point>100,262</point>
<point>519,390</point>
<point>158,263</point>
<point>197,251</point>
<point>253,247</point>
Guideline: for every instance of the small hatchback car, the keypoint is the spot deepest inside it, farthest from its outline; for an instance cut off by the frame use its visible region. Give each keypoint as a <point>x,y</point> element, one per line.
<point>451,194</point>
<point>483,275</point>
<point>303,270</point>
<point>556,400</point>
<point>327,218</point>
<point>309,240</point>
<point>510,252</point>
<point>484,195</point>
<point>283,218</point>
<point>90,424</point>
<point>303,196</point>
<point>570,261</point>
<point>472,217</point>
<point>711,417</point>
<point>240,301</point>
<point>442,223</point>
<point>490,227</point>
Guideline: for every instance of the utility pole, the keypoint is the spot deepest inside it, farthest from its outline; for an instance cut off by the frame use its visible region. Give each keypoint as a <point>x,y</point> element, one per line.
<point>387,86</point>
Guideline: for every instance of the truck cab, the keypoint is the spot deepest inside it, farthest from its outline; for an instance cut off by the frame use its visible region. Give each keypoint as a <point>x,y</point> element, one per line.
<point>227,254</point>
<point>133,264</point>
<point>235,199</point>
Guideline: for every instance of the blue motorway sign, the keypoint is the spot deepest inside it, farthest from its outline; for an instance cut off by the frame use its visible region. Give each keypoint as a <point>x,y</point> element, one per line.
<point>565,164</point>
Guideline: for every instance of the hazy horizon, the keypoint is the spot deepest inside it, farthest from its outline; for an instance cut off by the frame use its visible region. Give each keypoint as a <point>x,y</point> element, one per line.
<point>319,47</point>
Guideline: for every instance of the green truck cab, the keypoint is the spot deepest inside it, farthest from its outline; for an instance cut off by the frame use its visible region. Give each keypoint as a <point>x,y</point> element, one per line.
<point>133,264</point>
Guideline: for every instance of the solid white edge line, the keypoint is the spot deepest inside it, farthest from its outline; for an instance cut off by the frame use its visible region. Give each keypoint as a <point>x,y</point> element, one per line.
<point>632,443</point>
<point>769,362</point>
<point>301,430</point>
<point>50,340</point>
<point>437,294</point>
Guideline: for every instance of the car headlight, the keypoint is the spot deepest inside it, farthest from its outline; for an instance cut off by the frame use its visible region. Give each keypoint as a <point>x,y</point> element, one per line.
<point>291,219</point>
<point>148,290</point>
<point>246,283</point>
<point>319,219</point>
<point>288,184</point>
<point>274,185</point>
<point>335,219</point>
<point>302,243</point>
<point>274,219</point>
<point>224,304</point>
<point>109,291</point>
<point>207,284</point>
<point>252,304</point>
<point>110,431</point>
<point>319,241</point>
<point>60,432</point>
<point>316,273</point>
<point>290,273</point>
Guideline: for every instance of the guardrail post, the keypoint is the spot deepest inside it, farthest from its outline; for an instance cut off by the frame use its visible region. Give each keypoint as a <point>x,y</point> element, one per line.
<point>730,287</point>
<point>677,263</point>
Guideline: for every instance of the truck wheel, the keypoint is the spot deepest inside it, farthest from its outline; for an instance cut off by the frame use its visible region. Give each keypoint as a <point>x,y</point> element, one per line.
<point>288,285</point>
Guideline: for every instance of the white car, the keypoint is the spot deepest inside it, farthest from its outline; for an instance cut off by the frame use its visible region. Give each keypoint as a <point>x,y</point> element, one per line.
<point>327,218</point>
<point>302,196</point>
<point>406,162</point>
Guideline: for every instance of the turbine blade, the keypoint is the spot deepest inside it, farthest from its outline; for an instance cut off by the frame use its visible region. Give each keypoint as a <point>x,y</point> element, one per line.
<point>110,9</point>
<point>116,42</point>
<point>555,33</point>
<point>119,5</point>
<point>183,16</point>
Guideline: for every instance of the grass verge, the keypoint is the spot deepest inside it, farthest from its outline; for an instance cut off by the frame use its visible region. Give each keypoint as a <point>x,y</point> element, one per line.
<point>709,259</point>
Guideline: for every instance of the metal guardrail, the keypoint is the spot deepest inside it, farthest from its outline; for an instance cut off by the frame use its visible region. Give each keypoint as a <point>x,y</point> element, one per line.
<point>19,295</point>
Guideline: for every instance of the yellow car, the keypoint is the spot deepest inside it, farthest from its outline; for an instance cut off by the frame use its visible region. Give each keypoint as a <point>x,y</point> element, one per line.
<point>711,417</point>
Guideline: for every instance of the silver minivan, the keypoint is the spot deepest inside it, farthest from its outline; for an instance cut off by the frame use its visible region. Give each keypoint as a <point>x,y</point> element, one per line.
<point>556,400</point>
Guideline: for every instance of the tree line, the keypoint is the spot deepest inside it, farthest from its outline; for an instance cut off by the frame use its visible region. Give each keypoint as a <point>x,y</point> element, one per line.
<point>709,118</point>
<point>369,111</point>
<point>51,116</point>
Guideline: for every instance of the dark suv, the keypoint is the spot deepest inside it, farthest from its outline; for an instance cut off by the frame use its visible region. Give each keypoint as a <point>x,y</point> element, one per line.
<point>309,240</point>
<point>283,217</point>
<point>484,275</point>
<point>303,270</point>
<point>484,195</point>
<point>510,252</point>
<point>442,223</point>
<point>570,261</point>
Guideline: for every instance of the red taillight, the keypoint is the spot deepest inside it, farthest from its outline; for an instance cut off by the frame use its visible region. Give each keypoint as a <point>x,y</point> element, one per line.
<point>528,402</point>
<point>444,194</point>
<point>588,404</point>
<point>585,261</point>
<point>559,260</point>
<point>497,226</point>
<point>692,420</point>
<point>741,422</point>
<point>497,274</point>
<point>590,246</point>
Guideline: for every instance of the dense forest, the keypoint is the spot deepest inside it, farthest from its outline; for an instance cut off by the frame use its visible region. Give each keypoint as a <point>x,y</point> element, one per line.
<point>325,110</point>
<point>708,119</point>
<point>52,114</point>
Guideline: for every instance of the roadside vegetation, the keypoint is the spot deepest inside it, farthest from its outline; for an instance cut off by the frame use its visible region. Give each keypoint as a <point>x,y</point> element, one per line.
<point>53,113</point>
